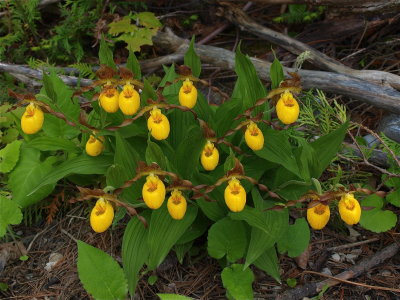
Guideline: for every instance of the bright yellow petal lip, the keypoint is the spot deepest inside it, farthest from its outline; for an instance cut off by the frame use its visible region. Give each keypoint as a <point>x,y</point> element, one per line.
<point>318,216</point>
<point>209,156</point>
<point>158,124</point>
<point>177,205</point>
<point>32,119</point>
<point>153,192</point>
<point>101,216</point>
<point>287,108</point>
<point>235,196</point>
<point>349,209</point>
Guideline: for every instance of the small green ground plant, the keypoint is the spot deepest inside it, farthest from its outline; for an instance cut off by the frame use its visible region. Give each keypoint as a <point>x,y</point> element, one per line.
<point>126,152</point>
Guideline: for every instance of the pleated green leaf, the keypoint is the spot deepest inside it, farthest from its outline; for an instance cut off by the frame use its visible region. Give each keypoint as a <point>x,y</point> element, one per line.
<point>269,263</point>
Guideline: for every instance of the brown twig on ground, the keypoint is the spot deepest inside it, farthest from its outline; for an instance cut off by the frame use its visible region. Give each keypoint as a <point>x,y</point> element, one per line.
<point>378,95</point>
<point>337,248</point>
<point>368,263</point>
<point>238,17</point>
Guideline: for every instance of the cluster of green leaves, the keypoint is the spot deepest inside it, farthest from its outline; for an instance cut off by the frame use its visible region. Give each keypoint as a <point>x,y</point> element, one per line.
<point>135,30</point>
<point>299,13</point>
<point>289,165</point>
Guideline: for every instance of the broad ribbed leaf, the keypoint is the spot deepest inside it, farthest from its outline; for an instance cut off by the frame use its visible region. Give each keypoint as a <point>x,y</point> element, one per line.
<point>172,297</point>
<point>377,219</point>
<point>100,274</point>
<point>134,251</point>
<point>155,154</point>
<point>10,213</point>
<point>133,64</point>
<point>56,127</point>
<point>296,238</point>
<point>106,55</point>
<point>192,60</point>
<point>9,156</point>
<point>164,232</point>
<point>275,222</point>
<point>44,143</point>
<point>268,262</point>
<point>276,73</point>
<point>270,222</point>
<point>227,237</point>
<point>238,282</point>
<point>277,149</point>
<point>224,115</point>
<point>28,175</point>
<point>327,147</point>
<point>204,110</point>
<point>83,164</point>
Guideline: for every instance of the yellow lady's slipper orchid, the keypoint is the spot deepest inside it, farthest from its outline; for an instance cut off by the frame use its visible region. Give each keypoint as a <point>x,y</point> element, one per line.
<point>188,94</point>
<point>235,195</point>
<point>177,205</point>
<point>254,137</point>
<point>94,146</point>
<point>32,119</point>
<point>129,100</point>
<point>153,192</point>
<point>108,99</point>
<point>209,156</point>
<point>287,108</point>
<point>318,216</point>
<point>349,209</point>
<point>101,216</point>
<point>158,124</point>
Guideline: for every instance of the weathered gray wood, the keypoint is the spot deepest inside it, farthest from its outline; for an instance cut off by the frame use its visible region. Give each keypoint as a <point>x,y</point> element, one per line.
<point>238,17</point>
<point>377,95</point>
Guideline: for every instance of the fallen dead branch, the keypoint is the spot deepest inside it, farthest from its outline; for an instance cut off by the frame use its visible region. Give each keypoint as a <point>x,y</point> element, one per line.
<point>353,272</point>
<point>238,17</point>
<point>374,94</point>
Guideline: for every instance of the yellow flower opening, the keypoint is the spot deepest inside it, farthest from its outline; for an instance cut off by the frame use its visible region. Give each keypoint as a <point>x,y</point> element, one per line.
<point>101,216</point>
<point>129,100</point>
<point>32,119</point>
<point>108,99</point>
<point>153,192</point>
<point>188,94</point>
<point>287,108</point>
<point>177,205</point>
<point>158,124</point>
<point>209,156</point>
<point>349,209</point>
<point>318,216</point>
<point>235,195</point>
<point>95,146</point>
<point>254,137</point>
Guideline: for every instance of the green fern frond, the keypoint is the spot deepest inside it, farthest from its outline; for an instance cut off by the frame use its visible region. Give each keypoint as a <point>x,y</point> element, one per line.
<point>84,69</point>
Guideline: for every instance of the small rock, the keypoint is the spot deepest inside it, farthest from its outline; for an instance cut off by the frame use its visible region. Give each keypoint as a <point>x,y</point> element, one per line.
<point>371,140</point>
<point>386,273</point>
<point>53,260</point>
<point>351,257</point>
<point>390,126</point>
<point>326,271</point>
<point>336,257</point>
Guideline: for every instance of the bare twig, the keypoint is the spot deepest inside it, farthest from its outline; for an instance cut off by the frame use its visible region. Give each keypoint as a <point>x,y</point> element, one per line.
<point>366,264</point>
<point>337,248</point>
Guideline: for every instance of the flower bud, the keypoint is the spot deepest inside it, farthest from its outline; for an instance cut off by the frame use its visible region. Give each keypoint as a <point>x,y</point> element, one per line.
<point>235,195</point>
<point>209,156</point>
<point>318,216</point>
<point>349,209</point>
<point>177,205</point>
<point>158,124</point>
<point>188,94</point>
<point>287,108</point>
<point>153,192</point>
<point>254,137</point>
<point>101,216</point>
<point>32,119</point>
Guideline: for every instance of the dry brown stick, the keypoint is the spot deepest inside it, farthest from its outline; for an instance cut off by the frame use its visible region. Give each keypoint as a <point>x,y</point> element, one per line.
<point>337,248</point>
<point>377,95</point>
<point>368,263</point>
<point>383,288</point>
<point>238,17</point>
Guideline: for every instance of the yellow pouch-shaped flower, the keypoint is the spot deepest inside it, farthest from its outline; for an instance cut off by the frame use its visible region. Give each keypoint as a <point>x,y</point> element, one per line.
<point>129,100</point>
<point>235,195</point>
<point>158,124</point>
<point>188,94</point>
<point>254,137</point>
<point>108,99</point>
<point>101,216</point>
<point>32,119</point>
<point>177,205</point>
<point>318,216</point>
<point>94,146</point>
<point>153,192</point>
<point>349,209</point>
<point>209,157</point>
<point>287,108</point>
